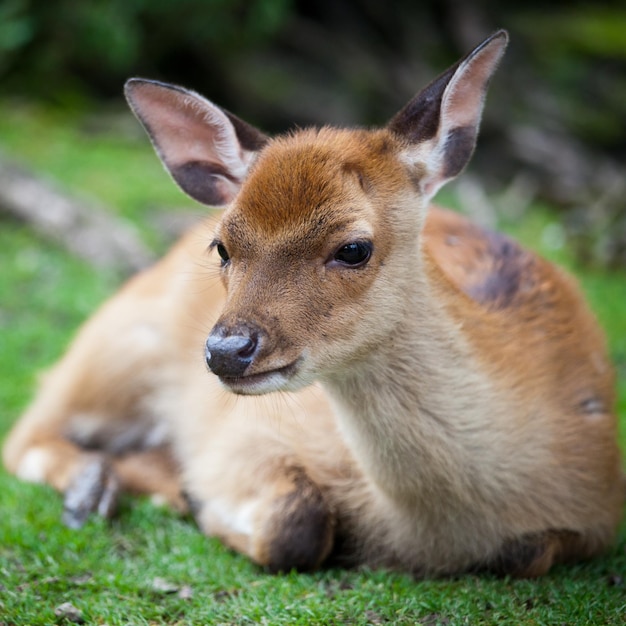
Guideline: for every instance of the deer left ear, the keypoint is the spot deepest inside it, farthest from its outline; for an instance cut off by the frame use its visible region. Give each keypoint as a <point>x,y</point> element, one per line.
<point>440,125</point>
<point>206,149</point>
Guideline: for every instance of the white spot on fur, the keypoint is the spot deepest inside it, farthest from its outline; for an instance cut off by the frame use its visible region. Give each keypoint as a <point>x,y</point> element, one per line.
<point>33,466</point>
<point>238,519</point>
<point>158,435</point>
<point>158,499</point>
<point>145,336</point>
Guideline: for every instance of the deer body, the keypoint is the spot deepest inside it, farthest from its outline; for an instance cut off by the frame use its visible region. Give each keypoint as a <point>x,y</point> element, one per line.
<point>465,415</point>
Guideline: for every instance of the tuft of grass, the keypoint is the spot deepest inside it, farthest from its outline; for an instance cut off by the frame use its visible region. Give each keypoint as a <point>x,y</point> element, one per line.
<point>149,566</point>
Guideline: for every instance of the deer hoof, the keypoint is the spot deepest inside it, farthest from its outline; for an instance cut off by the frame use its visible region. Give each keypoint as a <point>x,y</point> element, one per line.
<point>94,490</point>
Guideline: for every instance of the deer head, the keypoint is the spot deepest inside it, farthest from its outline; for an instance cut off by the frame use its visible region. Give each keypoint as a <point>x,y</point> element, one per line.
<point>319,240</point>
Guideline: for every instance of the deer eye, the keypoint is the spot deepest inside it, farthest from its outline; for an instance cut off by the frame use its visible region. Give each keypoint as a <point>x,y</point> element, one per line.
<point>354,254</point>
<point>221,250</point>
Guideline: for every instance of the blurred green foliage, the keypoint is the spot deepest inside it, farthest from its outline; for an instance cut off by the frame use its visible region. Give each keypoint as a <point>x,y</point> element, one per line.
<point>581,52</point>
<point>368,56</point>
<point>557,110</point>
<point>54,49</point>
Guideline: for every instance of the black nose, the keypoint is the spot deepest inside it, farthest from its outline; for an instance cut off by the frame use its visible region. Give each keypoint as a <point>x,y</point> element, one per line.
<point>229,355</point>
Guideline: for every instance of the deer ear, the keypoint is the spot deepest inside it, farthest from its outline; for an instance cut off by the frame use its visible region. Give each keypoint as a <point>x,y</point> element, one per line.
<point>440,125</point>
<point>206,149</point>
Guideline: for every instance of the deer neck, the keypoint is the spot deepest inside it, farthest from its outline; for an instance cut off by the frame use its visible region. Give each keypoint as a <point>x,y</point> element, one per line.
<point>408,409</point>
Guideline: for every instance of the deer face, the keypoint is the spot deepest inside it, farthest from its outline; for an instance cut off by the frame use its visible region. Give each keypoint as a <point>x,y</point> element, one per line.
<point>305,252</point>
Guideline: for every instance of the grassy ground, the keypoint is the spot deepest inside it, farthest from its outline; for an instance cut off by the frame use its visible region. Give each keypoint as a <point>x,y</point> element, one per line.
<point>150,567</point>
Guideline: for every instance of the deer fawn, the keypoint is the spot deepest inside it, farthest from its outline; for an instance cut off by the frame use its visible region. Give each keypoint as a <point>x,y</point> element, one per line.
<point>450,402</point>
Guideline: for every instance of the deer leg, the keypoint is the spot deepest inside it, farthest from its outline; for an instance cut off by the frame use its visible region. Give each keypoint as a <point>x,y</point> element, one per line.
<point>297,530</point>
<point>281,523</point>
<point>85,477</point>
<point>91,480</point>
<point>94,488</point>
<point>533,555</point>
<point>89,456</point>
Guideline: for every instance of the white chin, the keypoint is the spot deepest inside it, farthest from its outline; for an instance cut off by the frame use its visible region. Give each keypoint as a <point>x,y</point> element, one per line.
<point>256,385</point>
<point>284,379</point>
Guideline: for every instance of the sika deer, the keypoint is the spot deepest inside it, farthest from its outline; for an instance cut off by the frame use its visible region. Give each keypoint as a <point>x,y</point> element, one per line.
<point>465,418</point>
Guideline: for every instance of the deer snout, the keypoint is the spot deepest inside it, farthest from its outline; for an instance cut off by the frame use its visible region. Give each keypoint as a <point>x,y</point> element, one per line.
<point>229,354</point>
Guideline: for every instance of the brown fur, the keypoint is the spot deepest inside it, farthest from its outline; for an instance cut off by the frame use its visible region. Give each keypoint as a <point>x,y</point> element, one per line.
<point>465,416</point>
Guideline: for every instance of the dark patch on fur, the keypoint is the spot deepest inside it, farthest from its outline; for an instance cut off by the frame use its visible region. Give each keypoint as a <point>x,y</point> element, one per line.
<point>460,144</point>
<point>303,528</point>
<point>201,180</point>
<point>416,175</point>
<point>235,229</point>
<point>194,504</point>
<point>508,270</point>
<point>533,554</point>
<point>517,555</point>
<point>593,405</point>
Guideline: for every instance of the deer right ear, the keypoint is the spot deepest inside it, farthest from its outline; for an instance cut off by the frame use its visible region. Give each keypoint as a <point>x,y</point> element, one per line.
<point>206,149</point>
<point>439,126</point>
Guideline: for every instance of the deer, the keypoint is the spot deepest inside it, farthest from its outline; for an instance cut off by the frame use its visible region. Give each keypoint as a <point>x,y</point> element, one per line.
<point>389,384</point>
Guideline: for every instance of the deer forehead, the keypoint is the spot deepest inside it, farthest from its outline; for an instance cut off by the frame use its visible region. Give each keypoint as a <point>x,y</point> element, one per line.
<point>316,187</point>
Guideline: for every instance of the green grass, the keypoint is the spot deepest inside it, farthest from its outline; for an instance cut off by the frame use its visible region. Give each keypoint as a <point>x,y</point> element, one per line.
<point>108,570</point>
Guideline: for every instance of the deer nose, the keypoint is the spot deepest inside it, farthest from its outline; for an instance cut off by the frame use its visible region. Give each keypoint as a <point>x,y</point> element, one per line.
<point>228,355</point>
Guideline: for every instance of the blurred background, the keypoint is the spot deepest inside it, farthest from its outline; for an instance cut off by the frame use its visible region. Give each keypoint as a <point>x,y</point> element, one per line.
<point>555,127</point>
